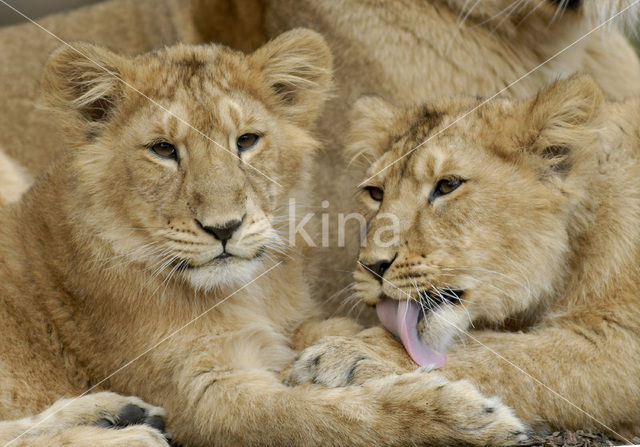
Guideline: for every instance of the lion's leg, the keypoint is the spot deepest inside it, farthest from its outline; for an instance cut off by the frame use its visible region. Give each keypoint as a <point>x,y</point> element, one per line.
<point>252,407</point>
<point>554,377</point>
<point>313,330</point>
<point>34,381</point>
<point>570,377</point>
<point>103,409</point>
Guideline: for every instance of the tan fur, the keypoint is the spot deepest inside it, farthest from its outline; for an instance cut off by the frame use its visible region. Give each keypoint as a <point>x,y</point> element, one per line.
<point>542,237</point>
<point>106,273</point>
<point>404,50</point>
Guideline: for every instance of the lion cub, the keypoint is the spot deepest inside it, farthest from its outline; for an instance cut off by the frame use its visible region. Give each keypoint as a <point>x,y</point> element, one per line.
<point>518,252</point>
<point>149,261</point>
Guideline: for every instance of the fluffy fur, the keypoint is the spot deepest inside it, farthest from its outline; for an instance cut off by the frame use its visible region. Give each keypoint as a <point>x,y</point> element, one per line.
<point>111,266</point>
<point>541,239</point>
<point>405,50</point>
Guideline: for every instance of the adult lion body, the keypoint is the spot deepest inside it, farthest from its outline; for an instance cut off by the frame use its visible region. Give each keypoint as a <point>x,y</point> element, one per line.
<point>147,261</point>
<point>518,235</point>
<point>405,51</point>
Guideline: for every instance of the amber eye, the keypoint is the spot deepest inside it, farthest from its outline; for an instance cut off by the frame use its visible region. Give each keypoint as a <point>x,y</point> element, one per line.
<point>164,150</point>
<point>376,193</point>
<point>444,187</point>
<point>247,141</point>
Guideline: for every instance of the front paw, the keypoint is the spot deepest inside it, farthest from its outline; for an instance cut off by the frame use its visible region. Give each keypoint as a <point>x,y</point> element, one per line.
<point>436,411</point>
<point>134,414</point>
<point>104,409</point>
<point>337,361</point>
<point>482,420</point>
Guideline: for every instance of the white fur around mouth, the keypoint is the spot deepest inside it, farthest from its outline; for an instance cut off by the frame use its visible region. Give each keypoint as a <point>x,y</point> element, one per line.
<point>220,274</point>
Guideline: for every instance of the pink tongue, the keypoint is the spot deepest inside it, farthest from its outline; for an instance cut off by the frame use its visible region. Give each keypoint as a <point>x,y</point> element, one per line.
<point>401,318</point>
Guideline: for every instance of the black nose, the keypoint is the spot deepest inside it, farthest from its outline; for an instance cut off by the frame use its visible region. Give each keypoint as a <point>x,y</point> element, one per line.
<point>378,268</point>
<point>223,233</point>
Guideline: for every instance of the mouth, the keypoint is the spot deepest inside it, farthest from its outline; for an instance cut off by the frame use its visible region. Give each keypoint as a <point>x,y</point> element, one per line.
<point>434,298</point>
<point>222,258</point>
<point>402,317</point>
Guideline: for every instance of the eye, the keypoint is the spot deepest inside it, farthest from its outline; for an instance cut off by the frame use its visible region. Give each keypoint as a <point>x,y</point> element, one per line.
<point>444,187</point>
<point>376,193</point>
<point>164,150</point>
<point>247,141</point>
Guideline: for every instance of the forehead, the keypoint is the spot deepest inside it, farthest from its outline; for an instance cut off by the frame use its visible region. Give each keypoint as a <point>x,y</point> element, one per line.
<point>194,68</point>
<point>207,88</point>
<point>459,138</point>
<point>424,152</point>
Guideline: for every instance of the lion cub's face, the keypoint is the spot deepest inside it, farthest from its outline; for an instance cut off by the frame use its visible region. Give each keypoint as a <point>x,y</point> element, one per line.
<point>480,210</point>
<point>184,163</point>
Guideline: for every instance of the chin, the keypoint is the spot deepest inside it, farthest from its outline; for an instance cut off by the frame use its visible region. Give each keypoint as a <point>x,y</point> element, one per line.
<point>225,274</point>
<point>439,329</point>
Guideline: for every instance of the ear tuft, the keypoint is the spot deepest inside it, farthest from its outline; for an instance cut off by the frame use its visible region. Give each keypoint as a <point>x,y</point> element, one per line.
<point>372,122</point>
<point>296,68</point>
<point>83,80</point>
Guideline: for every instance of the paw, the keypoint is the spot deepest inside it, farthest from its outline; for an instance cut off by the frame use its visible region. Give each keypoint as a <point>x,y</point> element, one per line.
<point>485,419</point>
<point>337,361</point>
<point>104,409</point>
<point>134,414</point>
<point>453,412</point>
<point>133,436</point>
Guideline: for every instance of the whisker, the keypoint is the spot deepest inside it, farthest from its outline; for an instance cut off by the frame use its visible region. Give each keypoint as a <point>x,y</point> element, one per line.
<point>460,23</point>
<point>533,10</point>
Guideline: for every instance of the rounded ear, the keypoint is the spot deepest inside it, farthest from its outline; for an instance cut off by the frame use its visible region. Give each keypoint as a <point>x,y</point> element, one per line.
<point>562,118</point>
<point>296,68</point>
<point>83,81</point>
<point>568,103</point>
<point>372,121</point>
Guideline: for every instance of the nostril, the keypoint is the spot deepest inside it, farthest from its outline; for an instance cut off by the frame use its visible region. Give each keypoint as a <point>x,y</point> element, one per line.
<point>379,268</point>
<point>222,233</point>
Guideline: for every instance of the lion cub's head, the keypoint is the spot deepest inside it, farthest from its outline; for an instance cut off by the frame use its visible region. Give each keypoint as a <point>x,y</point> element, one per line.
<point>181,158</point>
<point>470,208</point>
